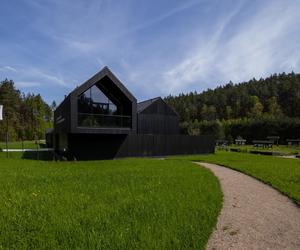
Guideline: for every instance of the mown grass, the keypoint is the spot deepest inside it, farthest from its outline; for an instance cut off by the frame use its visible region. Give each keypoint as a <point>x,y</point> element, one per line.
<point>20,145</point>
<point>117,204</point>
<point>282,174</point>
<point>283,149</point>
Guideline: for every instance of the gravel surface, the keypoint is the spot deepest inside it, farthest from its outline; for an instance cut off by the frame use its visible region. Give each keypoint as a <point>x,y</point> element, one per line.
<point>254,215</point>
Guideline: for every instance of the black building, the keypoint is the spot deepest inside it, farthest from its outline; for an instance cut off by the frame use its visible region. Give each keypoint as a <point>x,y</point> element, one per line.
<point>156,117</point>
<point>101,119</point>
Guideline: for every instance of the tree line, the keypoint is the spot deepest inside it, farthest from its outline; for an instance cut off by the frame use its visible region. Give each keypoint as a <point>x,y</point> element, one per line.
<point>25,116</point>
<point>252,110</point>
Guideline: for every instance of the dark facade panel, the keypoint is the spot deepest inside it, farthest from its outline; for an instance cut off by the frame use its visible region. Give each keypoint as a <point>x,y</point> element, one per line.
<point>62,124</point>
<point>95,146</point>
<point>157,118</point>
<point>67,114</point>
<point>87,147</point>
<point>158,124</point>
<point>102,120</point>
<point>158,106</point>
<point>113,88</point>
<point>62,116</point>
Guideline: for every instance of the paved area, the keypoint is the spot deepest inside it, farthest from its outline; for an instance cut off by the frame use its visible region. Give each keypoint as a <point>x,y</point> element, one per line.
<point>254,215</point>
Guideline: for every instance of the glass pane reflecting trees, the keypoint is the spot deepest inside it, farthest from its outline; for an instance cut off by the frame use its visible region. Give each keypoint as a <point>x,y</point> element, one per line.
<point>95,109</point>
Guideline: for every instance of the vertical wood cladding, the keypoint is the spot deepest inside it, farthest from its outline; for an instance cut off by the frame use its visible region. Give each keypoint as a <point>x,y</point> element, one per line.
<point>117,146</point>
<point>157,118</point>
<point>154,129</point>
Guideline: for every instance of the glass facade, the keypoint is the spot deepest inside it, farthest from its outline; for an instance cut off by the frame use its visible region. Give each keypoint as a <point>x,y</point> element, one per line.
<point>95,109</point>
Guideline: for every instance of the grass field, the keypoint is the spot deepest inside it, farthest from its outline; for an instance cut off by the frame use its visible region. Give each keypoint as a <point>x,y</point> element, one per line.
<point>19,144</point>
<point>284,149</point>
<point>117,204</point>
<point>282,174</point>
<point>123,204</point>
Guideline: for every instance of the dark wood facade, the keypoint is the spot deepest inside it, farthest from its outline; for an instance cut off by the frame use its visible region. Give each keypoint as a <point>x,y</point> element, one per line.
<point>66,116</point>
<point>101,119</point>
<point>156,117</point>
<point>135,145</point>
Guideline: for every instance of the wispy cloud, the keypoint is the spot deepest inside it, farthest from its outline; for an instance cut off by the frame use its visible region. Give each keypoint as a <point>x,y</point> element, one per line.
<point>155,47</point>
<point>187,5</point>
<point>260,46</point>
<point>32,77</point>
<point>200,60</point>
<point>46,77</point>
<point>8,68</point>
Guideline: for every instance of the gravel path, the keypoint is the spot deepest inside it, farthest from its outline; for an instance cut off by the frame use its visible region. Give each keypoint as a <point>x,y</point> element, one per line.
<point>254,215</point>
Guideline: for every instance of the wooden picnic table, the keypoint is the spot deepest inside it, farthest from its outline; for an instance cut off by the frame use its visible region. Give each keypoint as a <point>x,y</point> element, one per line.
<point>293,142</point>
<point>240,141</point>
<point>274,138</point>
<point>263,143</point>
<point>221,142</point>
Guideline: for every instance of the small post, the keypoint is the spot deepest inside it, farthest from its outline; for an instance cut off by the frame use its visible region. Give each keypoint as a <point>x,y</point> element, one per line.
<point>37,145</point>
<point>6,136</point>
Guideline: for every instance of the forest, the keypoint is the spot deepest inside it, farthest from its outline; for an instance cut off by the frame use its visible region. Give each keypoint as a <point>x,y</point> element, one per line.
<point>25,116</point>
<point>251,110</point>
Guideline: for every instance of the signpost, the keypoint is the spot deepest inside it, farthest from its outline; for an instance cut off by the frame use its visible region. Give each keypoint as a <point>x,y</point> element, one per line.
<point>1,118</point>
<point>1,111</point>
<point>7,136</point>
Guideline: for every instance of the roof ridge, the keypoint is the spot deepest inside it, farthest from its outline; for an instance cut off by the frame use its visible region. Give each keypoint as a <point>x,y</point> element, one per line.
<point>151,99</point>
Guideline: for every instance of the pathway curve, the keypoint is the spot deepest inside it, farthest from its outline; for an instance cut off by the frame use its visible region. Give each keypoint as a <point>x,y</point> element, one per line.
<point>254,215</point>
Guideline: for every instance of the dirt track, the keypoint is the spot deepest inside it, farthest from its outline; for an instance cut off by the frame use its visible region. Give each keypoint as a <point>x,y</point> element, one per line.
<point>254,215</point>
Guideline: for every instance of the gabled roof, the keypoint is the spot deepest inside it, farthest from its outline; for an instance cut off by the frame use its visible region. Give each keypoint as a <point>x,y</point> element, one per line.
<point>145,104</point>
<point>97,77</point>
<point>141,106</point>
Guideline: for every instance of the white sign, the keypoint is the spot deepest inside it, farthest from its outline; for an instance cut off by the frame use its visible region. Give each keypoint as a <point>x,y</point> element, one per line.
<point>1,109</point>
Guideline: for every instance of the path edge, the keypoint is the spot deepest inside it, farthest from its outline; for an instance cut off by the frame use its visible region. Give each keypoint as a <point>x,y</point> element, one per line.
<point>293,200</point>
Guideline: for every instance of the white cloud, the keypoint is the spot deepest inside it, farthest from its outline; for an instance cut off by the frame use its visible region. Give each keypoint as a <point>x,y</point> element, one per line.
<point>158,19</point>
<point>47,78</point>
<point>32,77</point>
<point>170,51</point>
<point>8,68</point>
<point>260,46</point>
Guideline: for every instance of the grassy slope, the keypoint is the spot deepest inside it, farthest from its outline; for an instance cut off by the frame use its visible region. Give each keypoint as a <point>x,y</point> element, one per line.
<point>282,174</point>
<point>118,204</point>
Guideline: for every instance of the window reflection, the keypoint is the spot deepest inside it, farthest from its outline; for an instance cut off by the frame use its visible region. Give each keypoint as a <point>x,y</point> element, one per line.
<point>95,109</point>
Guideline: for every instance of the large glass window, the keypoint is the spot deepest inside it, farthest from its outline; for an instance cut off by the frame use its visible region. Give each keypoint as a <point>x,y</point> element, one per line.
<point>95,109</point>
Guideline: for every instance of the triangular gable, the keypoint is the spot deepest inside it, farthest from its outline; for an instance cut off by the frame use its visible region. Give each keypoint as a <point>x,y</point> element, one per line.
<point>143,106</point>
<point>97,77</point>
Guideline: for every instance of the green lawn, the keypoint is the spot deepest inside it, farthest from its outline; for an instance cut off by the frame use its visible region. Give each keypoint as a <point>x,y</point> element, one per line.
<point>284,149</point>
<point>282,174</point>
<point>18,144</point>
<point>116,204</point>
<point>123,204</point>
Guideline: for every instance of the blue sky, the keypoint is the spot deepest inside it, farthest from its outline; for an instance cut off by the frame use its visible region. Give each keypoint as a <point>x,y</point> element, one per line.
<point>156,47</point>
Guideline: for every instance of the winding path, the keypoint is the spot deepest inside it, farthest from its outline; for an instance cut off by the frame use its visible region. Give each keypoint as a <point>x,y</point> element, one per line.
<point>254,215</point>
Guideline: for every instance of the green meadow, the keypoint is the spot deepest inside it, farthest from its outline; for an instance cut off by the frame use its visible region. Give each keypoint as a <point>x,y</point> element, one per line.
<point>20,145</point>
<point>281,173</point>
<point>132,203</point>
<point>115,204</point>
<point>280,149</point>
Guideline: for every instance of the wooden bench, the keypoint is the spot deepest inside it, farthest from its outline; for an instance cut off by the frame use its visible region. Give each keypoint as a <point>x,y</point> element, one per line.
<point>262,143</point>
<point>291,142</point>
